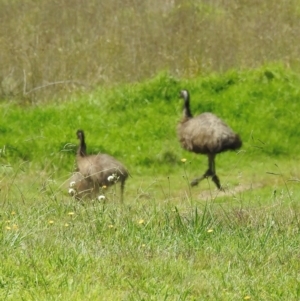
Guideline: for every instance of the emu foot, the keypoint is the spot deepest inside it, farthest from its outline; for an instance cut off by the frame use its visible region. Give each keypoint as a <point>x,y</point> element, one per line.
<point>222,189</point>
<point>195,182</point>
<point>217,182</point>
<point>214,178</point>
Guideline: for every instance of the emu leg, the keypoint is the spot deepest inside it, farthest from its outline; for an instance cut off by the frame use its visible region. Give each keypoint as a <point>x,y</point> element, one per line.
<point>214,176</point>
<point>122,190</point>
<point>216,180</point>
<point>211,172</point>
<point>212,167</point>
<point>207,174</point>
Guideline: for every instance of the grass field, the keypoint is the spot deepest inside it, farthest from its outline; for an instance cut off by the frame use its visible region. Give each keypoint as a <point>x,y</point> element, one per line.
<point>115,69</point>
<point>168,241</point>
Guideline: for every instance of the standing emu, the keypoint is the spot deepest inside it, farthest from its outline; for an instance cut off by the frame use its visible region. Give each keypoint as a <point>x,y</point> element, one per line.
<point>95,171</point>
<point>205,134</point>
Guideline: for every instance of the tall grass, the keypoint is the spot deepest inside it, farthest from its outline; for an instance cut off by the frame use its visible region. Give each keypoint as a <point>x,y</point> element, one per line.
<point>149,251</point>
<point>51,48</point>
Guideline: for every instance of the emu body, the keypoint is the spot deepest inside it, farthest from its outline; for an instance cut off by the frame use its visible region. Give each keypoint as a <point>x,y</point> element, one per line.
<point>96,171</point>
<point>205,134</point>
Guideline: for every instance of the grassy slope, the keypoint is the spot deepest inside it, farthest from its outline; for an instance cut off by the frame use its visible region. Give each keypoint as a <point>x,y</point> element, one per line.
<point>137,123</point>
<point>156,246</point>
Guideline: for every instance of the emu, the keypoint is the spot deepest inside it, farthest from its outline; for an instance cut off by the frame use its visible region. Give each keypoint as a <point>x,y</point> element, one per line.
<point>95,171</point>
<point>205,134</point>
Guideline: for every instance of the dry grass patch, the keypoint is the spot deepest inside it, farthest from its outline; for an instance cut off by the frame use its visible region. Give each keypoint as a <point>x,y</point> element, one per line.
<point>52,48</point>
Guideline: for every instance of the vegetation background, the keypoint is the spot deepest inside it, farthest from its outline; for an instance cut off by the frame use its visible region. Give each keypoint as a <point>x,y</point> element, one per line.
<point>82,45</point>
<point>115,69</point>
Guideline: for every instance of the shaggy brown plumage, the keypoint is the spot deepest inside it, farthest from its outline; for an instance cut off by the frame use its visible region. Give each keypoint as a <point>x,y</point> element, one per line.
<point>99,170</point>
<point>205,134</point>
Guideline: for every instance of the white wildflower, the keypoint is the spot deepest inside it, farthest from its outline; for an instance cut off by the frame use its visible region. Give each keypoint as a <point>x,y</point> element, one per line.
<point>72,192</point>
<point>101,198</point>
<point>113,178</point>
<point>110,178</point>
<point>72,184</point>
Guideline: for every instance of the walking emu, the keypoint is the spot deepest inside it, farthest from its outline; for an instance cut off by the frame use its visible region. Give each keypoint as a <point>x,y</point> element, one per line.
<point>99,170</point>
<point>205,134</point>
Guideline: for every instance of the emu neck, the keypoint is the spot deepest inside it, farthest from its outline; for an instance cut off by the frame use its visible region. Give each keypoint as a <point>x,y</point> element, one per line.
<point>82,148</point>
<point>186,108</point>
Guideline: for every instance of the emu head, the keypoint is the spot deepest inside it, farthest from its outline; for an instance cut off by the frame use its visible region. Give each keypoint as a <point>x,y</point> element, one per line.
<point>184,94</point>
<point>80,135</point>
<point>82,146</point>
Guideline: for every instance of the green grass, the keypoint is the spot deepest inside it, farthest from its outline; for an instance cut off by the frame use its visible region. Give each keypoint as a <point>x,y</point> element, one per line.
<point>168,241</point>
<point>151,251</point>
